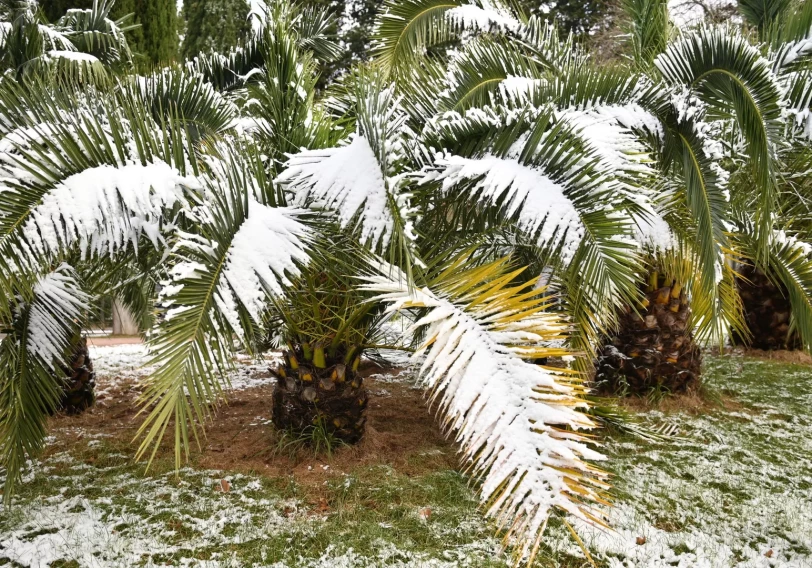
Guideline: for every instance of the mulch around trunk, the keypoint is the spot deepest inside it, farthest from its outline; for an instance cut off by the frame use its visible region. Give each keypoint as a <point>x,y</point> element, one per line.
<point>400,433</point>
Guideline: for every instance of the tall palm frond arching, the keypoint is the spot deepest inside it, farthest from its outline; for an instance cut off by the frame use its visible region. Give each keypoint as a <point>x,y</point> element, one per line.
<point>520,426</point>
<point>732,78</point>
<point>406,28</point>
<point>220,277</point>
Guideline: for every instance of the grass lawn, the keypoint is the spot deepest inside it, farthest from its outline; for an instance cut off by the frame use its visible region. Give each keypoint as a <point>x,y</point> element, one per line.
<point>730,486</point>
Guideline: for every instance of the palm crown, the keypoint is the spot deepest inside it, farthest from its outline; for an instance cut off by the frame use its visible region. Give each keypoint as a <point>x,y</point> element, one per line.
<point>475,139</point>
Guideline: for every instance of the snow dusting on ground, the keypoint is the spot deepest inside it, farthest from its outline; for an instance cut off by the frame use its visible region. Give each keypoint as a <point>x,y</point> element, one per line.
<point>132,362</point>
<point>732,488</point>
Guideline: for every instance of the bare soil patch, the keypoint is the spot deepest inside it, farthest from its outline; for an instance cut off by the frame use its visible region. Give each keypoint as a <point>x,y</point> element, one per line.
<point>400,433</point>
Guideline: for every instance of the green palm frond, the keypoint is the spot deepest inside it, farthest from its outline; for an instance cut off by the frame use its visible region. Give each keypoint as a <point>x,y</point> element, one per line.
<point>406,28</point>
<point>588,85</point>
<point>221,277</point>
<point>517,423</point>
<point>283,101</point>
<point>542,41</point>
<point>763,14</point>
<point>480,68</point>
<point>363,180</point>
<point>95,177</point>
<point>92,31</point>
<point>734,79</point>
<point>649,28</point>
<point>541,174</point>
<point>174,92</point>
<point>32,353</point>
<point>316,30</point>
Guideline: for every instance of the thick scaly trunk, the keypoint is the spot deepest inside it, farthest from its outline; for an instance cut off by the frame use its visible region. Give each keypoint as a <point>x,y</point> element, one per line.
<point>653,349</point>
<point>80,381</point>
<point>312,392</point>
<point>767,312</point>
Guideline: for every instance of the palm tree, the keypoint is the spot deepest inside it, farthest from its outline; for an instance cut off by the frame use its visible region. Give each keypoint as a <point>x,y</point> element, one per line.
<point>738,90</point>
<point>154,170</point>
<point>82,44</point>
<point>444,171</point>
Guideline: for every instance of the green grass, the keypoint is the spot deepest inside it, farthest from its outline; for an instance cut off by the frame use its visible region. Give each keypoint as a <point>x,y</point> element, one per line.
<point>731,486</point>
<point>373,514</point>
<point>734,483</point>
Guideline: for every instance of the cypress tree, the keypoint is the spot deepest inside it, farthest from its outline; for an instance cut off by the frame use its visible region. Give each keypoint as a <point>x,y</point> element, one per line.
<point>214,25</point>
<point>159,24</point>
<point>155,41</point>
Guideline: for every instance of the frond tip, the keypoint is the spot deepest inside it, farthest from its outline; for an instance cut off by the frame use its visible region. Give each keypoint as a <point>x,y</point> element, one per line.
<point>519,425</point>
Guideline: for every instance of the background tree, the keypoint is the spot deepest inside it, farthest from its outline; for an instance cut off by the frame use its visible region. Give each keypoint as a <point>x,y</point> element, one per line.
<point>156,37</point>
<point>580,17</point>
<point>214,25</point>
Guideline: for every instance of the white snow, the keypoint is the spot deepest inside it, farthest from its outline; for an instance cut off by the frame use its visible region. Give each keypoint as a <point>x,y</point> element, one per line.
<point>475,18</point>
<point>130,363</point>
<point>73,56</point>
<point>348,179</point>
<point>58,300</point>
<point>542,205</point>
<point>105,208</point>
<point>507,414</point>
<point>268,245</point>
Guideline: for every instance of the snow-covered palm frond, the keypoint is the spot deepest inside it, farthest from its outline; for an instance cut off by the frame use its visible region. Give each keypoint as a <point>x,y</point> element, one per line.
<point>282,100</point>
<point>519,425</point>
<point>362,179</point>
<point>798,97</point>
<point>538,203</point>
<point>32,354</point>
<point>92,31</point>
<point>484,68</point>
<point>54,39</point>
<point>724,71</point>
<point>186,95</point>
<point>540,173</point>
<point>542,40</point>
<point>221,278</point>
<point>406,28</point>
<point>104,208</point>
<point>98,178</point>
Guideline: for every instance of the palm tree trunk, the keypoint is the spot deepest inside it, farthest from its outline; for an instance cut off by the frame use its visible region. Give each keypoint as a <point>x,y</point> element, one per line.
<point>313,393</point>
<point>653,347</point>
<point>80,382</point>
<point>767,312</point>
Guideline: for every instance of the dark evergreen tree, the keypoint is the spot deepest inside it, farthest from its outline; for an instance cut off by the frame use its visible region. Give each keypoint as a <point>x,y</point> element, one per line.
<point>157,38</point>
<point>159,24</point>
<point>214,25</point>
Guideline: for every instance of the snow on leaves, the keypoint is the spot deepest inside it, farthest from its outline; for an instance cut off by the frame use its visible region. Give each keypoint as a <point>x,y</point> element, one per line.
<point>105,208</point>
<point>58,302</point>
<point>348,179</point>
<point>541,204</point>
<point>517,423</point>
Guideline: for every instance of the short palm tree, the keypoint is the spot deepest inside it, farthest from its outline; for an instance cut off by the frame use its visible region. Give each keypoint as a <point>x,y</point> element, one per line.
<point>82,44</point>
<point>154,170</point>
<point>445,171</point>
